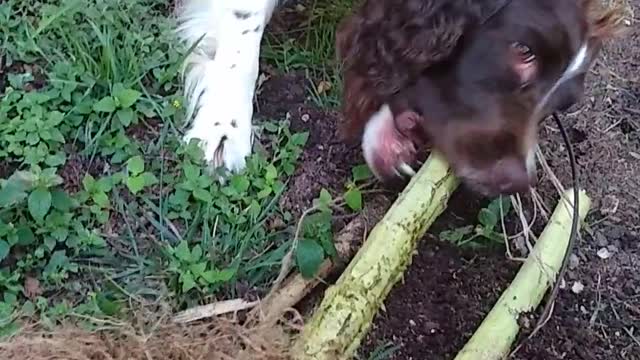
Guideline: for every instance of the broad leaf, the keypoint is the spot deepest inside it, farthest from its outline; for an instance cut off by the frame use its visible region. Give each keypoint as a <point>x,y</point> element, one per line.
<point>353,198</point>
<point>106,104</point>
<point>309,257</point>
<point>39,203</point>
<point>127,97</point>
<point>135,165</point>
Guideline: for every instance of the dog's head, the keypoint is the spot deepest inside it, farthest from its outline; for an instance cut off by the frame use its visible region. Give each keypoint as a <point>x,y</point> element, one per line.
<point>480,75</point>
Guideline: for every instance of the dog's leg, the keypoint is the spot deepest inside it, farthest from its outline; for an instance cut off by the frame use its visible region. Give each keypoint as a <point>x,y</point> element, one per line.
<point>220,74</point>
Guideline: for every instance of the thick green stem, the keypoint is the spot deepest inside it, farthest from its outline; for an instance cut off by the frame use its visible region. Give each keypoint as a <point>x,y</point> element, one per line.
<point>338,325</point>
<point>495,336</point>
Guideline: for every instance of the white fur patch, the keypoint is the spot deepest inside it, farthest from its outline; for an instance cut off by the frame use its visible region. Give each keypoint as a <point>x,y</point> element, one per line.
<point>575,67</point>
<point>577,62</point>
<point>373,133</point>
<point>220,74</point>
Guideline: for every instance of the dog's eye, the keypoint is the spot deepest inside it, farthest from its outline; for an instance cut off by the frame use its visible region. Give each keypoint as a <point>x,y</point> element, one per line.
<point>524,63</point>
<point>524,53</point>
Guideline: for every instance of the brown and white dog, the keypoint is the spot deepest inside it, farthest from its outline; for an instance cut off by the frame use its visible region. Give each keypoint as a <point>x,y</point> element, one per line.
<point>473,78</point>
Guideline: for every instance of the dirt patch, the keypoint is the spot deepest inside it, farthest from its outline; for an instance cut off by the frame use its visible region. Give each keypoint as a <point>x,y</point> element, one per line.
<point>326,161</point>
<point>76,167</point>
<point>446,292</point>
<point>38,80</point>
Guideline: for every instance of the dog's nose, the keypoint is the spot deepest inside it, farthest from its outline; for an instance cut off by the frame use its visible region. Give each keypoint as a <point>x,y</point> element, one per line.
<point>510,177</point>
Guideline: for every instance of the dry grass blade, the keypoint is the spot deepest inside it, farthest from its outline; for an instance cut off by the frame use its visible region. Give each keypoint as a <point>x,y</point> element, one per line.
<point>214,309</point>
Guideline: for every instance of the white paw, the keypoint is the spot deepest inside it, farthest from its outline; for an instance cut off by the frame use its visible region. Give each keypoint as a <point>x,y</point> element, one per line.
<point>220,78</point>
<point>223,145</point>
<point>222,114</point>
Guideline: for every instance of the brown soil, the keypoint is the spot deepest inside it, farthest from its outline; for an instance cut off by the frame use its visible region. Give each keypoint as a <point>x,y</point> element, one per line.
<point>447,291</point>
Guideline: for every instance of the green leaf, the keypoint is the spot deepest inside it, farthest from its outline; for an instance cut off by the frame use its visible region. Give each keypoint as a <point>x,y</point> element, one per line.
<point>361,172</point>
<point>198,268</point>
<point>214,277</point>
<point>57,260</point>
<point>196,253</point>
<point>309,257</point>
<point>328,245</point>
<point>4,249</point>
<point>271,127</point>
<point>106,104</point>
<point>25,236</point>
<point>494,206</point>
<point>127,97</point>
<point>50,243</point>
<point>487,218</point>
<point>61,200</point>
<point>88,183</point>
<point>456,235</point>
<point>108,307</point>
<point>101,199</point>
<point>240,183</point>
<point>191,172</point>
<point>182,251</point>
<point>188,282</point>
<point>300,139</point>
<point>353,198</point>
<point>104,184</point>
<point>135,184</point>
<point>324,199</point>
<point>125,116</point>
<point>11,194</point>
<point>135,165</point>
<point>272,172</point>
<point>202,195</point>
<point>149,179</point>
<point>264,192</point>
<point>39,203</point>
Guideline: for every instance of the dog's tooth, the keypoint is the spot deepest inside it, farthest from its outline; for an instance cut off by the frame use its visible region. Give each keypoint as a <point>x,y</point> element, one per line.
<point>406,169</point>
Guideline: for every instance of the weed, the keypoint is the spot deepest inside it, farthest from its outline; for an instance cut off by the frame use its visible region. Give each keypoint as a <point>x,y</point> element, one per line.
<point>383,351</point>
<point>315,237</point>
<point>486,229</point>
<point>311,48</point>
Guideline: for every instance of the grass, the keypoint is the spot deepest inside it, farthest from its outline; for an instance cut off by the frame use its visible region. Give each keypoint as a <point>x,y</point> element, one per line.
<point>308,46</point>
<point>101,204</point>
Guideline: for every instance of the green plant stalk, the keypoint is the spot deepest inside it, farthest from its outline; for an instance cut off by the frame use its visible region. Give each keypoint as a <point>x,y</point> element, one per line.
<point>495,336</point>
<point>338,325</point>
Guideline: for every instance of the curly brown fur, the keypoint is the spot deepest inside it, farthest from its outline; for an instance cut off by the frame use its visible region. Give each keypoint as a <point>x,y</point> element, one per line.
<point>383,45</point>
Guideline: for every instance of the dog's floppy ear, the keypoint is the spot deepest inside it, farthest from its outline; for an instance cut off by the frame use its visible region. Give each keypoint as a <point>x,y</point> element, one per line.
<point>385,44</point>
<point>605,21</point>
<point>359,98</point>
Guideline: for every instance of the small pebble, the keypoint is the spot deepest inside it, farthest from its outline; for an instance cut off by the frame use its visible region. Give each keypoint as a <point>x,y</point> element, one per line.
<point>412,323</point>
<point>574,261</point>
<point>563,284</point>
<point>577,287</point>
<point>583,309</point>
<point>305,117</point>
<point>604,253</point>
<point>601,240</point>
